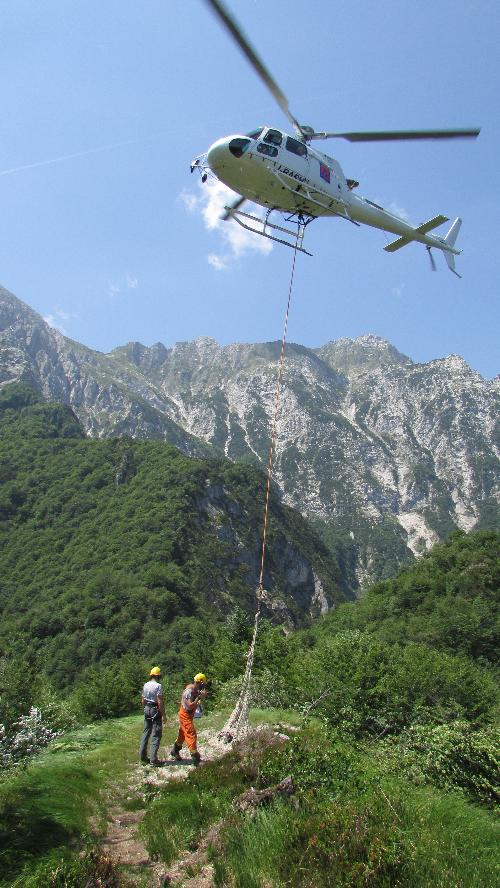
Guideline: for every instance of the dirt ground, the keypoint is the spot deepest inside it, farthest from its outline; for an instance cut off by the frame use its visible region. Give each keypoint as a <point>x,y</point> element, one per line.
<point>122,841</point>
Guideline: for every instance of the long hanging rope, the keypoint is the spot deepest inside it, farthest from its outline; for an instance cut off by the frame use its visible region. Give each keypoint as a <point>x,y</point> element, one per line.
<point>238,723</point>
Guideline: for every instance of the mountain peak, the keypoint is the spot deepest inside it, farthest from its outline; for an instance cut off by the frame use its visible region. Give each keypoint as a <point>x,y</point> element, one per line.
<point>363,353</point>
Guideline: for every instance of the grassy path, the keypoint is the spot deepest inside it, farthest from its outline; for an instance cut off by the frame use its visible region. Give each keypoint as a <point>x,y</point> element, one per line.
<point>88,790</point>
<point>123,842</point>
<point>85,813</point>
<point>59,800</point>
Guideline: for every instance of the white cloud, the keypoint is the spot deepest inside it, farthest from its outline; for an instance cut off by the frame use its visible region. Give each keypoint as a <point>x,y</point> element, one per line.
<point>55,320</point>
<point>189,200</point>
<point>398,291</point>
<point>397,210</point>
<point>132,282</point>
<point>220,263</point>
<point>210,203</point>
<point>127,282</point>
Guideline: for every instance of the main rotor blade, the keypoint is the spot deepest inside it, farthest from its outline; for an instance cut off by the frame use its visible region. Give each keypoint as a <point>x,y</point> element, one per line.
<point>258,65</point>
<point>401,135</point>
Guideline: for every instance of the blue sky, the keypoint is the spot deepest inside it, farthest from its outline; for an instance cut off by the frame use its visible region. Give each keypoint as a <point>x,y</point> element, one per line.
<point>104,231</point>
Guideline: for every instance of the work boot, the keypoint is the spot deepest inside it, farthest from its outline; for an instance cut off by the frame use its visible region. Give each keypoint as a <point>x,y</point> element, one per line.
<point>196,757</point>
<point>175,752</point>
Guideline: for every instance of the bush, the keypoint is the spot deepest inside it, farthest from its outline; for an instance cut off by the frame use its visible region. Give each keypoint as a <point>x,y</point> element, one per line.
<point>451,755</point>
<point>351,826</point>
<point>28,735</point>
<point>110,691</point>
<point>32,713</point>
<point>267,691</point>
<point>57,710</point>
<point>392,835</point>
<point>372,687</point>
<point>318,760</point>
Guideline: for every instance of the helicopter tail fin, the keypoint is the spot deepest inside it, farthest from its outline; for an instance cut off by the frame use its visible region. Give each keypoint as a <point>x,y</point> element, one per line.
<point>449,240</point>
<point>452,235</point>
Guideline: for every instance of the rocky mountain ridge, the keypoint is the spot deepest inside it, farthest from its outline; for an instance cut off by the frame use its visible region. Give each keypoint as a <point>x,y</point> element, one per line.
<point>386,454</point>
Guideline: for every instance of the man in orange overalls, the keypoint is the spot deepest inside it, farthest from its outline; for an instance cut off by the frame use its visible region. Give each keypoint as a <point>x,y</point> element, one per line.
<point>191,698</point>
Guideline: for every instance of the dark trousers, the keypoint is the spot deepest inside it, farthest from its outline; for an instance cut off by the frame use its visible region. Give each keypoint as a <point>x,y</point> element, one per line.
<point>153,729</point>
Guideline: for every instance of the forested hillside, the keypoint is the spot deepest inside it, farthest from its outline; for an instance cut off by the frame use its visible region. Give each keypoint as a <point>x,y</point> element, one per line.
<point>447,600</point>
<point>116,547</point>
<point>384,722</point>
<point>387,456</point>
<point>115,554</point>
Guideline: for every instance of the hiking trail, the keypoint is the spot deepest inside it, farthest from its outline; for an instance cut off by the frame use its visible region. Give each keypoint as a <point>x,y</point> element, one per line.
<point>122,842</point>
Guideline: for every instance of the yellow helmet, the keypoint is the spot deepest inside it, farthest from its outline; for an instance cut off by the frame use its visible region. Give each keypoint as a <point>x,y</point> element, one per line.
<point>155,671</point>
<point>201,677</point>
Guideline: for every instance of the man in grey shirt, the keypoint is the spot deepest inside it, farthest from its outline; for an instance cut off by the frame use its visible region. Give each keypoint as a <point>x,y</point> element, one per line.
<point>154,716</point>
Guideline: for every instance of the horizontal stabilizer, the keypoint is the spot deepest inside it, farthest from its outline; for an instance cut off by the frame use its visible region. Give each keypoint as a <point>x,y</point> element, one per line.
<point>421,229</point>
<point>397,244</point>
<point>432,223</point>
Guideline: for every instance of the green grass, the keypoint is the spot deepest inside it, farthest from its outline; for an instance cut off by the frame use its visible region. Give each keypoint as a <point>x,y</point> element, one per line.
<point>279,717</point>
<point>411,839</point>
<point>47,806</point>
<point>455,843</point>
<point>349,822</point>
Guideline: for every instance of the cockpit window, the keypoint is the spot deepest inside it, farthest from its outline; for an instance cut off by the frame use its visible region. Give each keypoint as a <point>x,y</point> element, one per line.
<point>239,146</point>
<point>273,137</point>
<point>296,147</point>
<point>255,133</point>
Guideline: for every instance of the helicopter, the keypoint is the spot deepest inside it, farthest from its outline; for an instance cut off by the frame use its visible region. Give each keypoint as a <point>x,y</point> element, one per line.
<point>285,173</point>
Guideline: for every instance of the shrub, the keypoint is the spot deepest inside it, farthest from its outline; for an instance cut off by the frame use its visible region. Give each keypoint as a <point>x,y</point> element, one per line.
<point>110,691</point>
<point>350,826</point>
<point>372,687</point>
<point>32,713</point>
<point>317,759</point>
<point>28,735</point>
<point>451,755</point>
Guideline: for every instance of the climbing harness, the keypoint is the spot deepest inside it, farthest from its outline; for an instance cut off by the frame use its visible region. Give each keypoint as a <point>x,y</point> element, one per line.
<point>150,707</point>
<point>238,723</point>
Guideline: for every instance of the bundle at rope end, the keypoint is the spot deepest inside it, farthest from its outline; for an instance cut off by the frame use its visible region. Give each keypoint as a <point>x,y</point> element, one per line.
<point>225,737</point>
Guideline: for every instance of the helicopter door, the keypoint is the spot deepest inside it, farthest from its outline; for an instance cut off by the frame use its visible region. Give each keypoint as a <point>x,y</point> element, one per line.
<point>299,162</point>
<point>270,143</point>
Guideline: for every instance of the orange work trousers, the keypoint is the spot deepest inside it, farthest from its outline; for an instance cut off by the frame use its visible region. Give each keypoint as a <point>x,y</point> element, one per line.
<point>187,730</point>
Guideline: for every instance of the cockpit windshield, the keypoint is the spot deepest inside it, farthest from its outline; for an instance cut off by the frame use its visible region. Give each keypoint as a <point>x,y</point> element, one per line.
<point>255,133</point>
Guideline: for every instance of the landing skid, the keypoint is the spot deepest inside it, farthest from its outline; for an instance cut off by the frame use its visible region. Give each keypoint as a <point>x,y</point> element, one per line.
<point>296,237</point>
